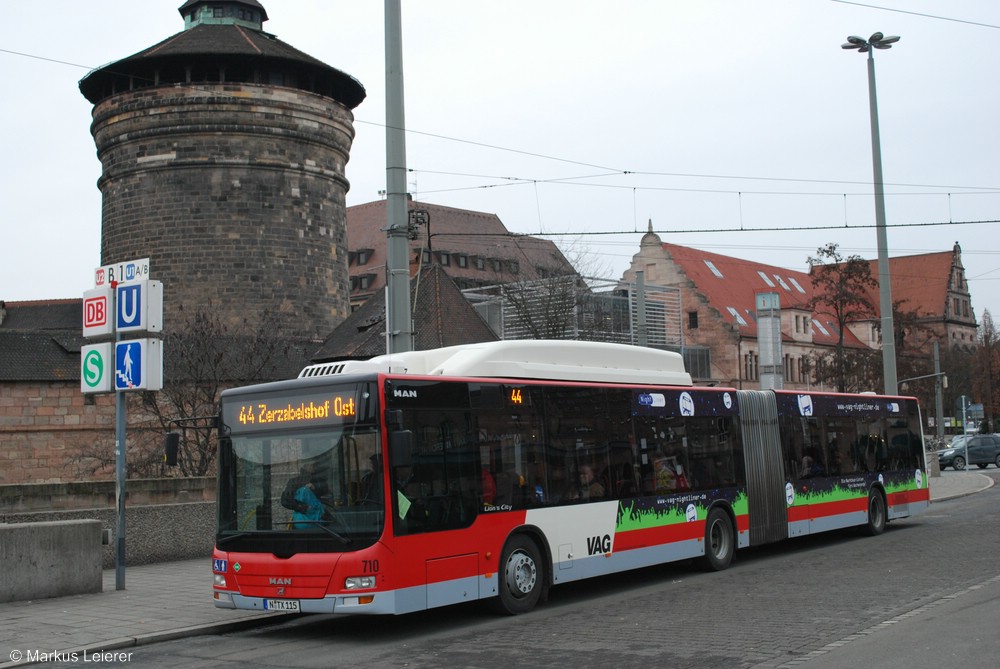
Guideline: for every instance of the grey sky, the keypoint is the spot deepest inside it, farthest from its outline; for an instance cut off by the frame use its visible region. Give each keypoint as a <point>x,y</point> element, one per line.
<point>577,117</point>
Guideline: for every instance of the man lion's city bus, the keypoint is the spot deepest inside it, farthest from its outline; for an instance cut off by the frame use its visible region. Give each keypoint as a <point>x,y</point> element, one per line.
<point>495,471</point>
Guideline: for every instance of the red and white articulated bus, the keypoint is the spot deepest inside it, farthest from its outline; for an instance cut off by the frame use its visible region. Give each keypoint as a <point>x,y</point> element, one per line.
<point>495,471</point>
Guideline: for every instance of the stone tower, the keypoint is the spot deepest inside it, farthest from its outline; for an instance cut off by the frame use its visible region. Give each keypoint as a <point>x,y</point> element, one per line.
<point>223,153</point>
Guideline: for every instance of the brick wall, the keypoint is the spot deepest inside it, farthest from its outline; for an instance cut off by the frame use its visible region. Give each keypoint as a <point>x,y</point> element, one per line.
<point>44,427</point>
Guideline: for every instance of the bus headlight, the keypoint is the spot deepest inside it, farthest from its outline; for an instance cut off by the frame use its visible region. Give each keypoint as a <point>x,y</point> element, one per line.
<point>359,582</point>
<point>220,580</point>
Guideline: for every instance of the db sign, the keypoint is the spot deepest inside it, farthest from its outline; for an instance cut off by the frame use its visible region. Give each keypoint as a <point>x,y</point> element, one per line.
<point>96,368</point>
<point>96,313</point>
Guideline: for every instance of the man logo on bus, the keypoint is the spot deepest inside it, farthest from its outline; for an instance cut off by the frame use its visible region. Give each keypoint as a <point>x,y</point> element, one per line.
<point>686,404</point>
<point>403,393</point>
<point>806,405</point>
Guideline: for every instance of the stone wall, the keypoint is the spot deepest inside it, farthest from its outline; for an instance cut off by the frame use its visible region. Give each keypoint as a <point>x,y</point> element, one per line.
<point>165,519</point>
<point>236,193</point>
<point>160,533</point>
<point>31,497</point>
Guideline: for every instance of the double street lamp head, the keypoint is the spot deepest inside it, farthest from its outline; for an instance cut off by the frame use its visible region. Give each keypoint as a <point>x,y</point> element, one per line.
<point>876,41</point>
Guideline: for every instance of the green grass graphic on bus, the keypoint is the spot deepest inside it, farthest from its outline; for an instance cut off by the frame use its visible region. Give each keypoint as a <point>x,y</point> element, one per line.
<point>659,511</point>
<point>819,491</point>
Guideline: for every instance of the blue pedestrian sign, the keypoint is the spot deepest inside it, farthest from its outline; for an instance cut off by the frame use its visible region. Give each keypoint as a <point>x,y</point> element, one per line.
<point>138,364</point>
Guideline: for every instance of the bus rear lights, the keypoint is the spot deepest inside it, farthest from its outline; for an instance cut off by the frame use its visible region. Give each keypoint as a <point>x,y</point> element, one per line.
<point>359,583</point>
<point>220,580</point>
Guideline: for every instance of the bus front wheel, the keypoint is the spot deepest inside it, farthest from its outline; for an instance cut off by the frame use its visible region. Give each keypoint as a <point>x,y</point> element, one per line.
<point>720,542</point>
<point>521,578</point>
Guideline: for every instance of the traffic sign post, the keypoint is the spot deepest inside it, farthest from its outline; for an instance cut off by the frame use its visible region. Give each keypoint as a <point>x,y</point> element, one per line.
<point>124,301</point>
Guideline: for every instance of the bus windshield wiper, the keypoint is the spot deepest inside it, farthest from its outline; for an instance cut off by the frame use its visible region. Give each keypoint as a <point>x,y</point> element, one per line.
<point>326,528</point>
<point>229,537</point>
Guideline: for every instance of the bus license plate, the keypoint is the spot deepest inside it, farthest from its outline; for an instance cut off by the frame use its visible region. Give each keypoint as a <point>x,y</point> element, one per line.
<point>281,605</point>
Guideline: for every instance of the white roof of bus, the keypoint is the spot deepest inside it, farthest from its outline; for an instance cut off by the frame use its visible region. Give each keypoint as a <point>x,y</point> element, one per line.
<point>528,359</point>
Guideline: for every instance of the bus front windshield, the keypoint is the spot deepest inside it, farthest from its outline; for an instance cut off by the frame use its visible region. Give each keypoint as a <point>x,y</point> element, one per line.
<point>324,485</point>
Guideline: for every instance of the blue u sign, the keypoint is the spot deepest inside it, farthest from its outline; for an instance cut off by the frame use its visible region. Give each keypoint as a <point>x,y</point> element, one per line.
<point>128,364</point>
<point>129,306</point>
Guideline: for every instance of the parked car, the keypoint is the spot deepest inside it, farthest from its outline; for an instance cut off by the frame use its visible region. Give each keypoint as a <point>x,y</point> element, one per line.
<point>983,450</point>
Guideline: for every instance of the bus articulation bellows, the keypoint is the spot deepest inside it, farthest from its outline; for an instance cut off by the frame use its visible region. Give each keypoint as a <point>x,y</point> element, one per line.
<point>495,471</point>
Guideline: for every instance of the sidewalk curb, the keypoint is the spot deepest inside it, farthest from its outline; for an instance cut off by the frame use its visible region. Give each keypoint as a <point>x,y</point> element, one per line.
<point>247,622</point>
<point>987,484</point>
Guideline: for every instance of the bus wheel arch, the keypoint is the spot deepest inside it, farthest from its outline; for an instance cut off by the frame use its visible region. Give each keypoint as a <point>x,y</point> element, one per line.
<point>720,538</point>
<point>522,574</point>
<point>878,512</point>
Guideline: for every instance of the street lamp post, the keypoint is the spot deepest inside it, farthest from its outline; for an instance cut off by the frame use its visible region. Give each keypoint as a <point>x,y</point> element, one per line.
<point>879,41</point>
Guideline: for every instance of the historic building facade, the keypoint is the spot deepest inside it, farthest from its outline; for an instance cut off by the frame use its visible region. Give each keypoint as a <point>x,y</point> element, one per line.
<point>719,308</point>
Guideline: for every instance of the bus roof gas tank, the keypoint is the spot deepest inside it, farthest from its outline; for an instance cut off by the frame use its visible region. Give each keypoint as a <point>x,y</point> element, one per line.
<point>527,359</point>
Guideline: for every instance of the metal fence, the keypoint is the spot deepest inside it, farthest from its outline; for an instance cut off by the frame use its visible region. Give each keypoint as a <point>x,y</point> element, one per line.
<point>573,307</point>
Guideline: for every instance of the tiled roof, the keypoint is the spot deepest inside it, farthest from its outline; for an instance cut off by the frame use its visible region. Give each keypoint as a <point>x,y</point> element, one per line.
<point>41,341</point>
<point>459,232</point>
<point>730,285</point>
<point>39,356</point>
<point>919,282</point>
<point>442,317</point>
<point>37,315</point>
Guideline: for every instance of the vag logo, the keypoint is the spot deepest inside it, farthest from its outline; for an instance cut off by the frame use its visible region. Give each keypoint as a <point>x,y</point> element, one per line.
<point>403,393</point>
<point>599,544</point>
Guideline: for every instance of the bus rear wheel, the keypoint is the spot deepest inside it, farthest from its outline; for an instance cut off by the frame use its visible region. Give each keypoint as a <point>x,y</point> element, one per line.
<point>521,578</point>
<point>720,541</point>
<point>876,514</point>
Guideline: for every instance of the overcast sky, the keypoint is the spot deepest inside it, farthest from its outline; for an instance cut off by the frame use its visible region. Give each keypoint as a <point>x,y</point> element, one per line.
<point>583,117</point>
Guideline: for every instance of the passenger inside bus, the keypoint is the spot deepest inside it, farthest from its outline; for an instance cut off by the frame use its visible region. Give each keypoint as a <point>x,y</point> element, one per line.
<point>589,488</point>
<point>302,494</point>
<point>371,482</point>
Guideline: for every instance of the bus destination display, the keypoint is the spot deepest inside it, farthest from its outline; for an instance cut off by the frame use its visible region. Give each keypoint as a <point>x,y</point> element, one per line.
<point>266,413</point>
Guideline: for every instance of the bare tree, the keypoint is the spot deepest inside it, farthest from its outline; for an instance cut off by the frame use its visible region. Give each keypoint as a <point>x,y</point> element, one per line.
<point>202,356</point>
<point>986,362</point>
<point>841,288</point>
<point>545,308</point>
<point>206,355</point>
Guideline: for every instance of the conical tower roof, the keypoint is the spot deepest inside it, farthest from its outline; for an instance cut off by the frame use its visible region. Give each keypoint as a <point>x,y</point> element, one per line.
<point>222,42</point>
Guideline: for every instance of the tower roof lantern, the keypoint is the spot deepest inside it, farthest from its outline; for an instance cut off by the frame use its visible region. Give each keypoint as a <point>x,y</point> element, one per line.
<point>248,13</point>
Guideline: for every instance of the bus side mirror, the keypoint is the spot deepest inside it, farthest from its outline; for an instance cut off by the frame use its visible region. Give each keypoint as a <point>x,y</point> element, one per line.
<point>401,448</point>
<point>171,444</point>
